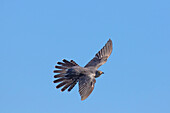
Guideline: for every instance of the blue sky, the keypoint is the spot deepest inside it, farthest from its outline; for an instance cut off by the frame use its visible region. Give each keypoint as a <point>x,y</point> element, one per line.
<point>35,34</point>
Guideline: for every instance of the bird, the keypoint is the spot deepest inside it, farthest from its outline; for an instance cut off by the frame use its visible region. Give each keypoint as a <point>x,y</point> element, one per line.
<point>69,73</point>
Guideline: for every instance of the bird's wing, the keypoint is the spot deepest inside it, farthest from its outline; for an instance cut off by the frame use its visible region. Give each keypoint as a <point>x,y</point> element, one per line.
<point>102,56</point>
<point>86,85</point>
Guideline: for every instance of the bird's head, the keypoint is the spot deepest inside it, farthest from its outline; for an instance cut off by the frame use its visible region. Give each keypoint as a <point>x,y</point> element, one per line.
<point>98,73</point>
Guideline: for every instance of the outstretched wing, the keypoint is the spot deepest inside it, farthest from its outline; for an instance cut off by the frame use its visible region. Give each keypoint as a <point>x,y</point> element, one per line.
<point>102,56</point>
<point>86,85</point>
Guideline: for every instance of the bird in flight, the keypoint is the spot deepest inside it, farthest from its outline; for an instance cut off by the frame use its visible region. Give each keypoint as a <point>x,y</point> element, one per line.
<point>69,72</point>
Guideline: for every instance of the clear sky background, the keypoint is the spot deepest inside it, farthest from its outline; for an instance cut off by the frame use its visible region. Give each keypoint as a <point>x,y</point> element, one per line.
<point>35,34</point>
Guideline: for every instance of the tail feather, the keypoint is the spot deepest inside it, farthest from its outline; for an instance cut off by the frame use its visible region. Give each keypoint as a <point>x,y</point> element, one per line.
<point>60,67</point>
<point>72,61</point>
<point>59,75</point>
<point>61,84</point>
<point>68,63</point>
<point>72,85</point>
<point>59,80</point>
<point>59,71</point>
<point>63,64</point>
<point>66,86</point>
<point>62,76</point>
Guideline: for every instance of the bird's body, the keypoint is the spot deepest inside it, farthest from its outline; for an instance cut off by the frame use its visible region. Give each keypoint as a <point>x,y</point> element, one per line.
<point>70,72</point>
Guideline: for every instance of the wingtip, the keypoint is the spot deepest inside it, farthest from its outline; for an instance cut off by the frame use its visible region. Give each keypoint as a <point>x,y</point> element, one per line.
<point>83,98</point>
<point>109,40</point>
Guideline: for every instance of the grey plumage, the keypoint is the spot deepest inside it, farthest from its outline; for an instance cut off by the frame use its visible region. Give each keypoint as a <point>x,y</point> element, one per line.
<point>102,56</point>
<point>73,84</point>
<point>86,85</point>
<point>70,72</point>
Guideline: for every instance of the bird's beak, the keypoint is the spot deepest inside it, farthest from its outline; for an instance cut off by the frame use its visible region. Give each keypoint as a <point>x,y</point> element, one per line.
<point>102,72</point>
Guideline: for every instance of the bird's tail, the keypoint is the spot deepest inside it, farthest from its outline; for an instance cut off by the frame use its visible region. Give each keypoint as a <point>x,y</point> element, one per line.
<point>62,75</point>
